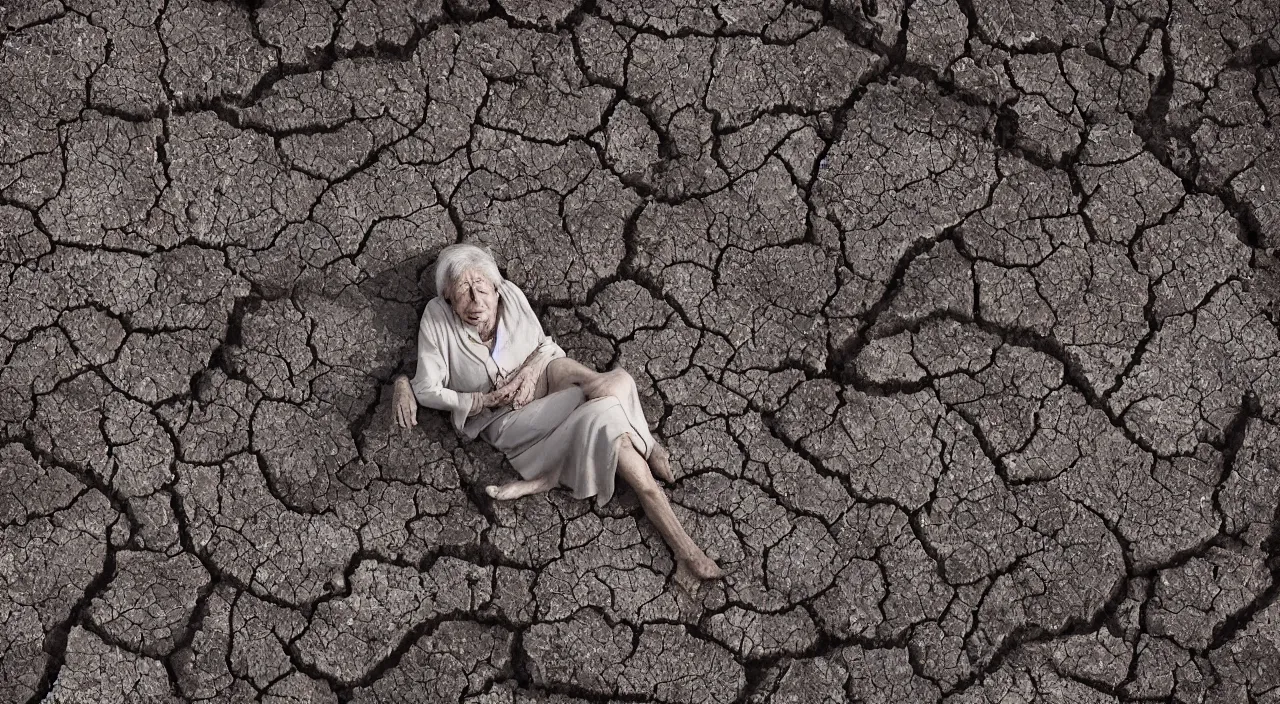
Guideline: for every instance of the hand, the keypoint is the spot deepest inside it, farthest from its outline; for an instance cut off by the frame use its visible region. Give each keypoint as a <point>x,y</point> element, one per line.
<point>525,377</point>
<point>498,397</point>
<point>523,384</point>
<point>403,403</point>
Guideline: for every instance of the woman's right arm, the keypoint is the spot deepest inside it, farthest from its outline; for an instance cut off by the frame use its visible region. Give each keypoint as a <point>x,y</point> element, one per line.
<point>430,382</point>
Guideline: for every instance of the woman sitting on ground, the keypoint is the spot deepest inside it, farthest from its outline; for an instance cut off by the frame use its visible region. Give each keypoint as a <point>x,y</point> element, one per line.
<point>482,356</point>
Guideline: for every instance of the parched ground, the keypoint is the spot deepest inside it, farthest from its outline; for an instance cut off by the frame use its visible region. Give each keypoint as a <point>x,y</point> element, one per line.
<point>959,318</point>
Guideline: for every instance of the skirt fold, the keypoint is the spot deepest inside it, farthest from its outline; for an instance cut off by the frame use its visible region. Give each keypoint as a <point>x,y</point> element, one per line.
<point>572,438</point>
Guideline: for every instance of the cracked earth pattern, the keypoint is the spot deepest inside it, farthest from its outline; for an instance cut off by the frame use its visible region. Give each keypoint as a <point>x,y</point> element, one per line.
<point>959,318</point>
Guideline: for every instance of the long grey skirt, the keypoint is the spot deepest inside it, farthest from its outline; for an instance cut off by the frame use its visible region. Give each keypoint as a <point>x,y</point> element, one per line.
<point>571,438</point>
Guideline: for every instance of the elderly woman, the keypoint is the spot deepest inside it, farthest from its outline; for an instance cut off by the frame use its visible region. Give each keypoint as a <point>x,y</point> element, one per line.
<point>482,356</point>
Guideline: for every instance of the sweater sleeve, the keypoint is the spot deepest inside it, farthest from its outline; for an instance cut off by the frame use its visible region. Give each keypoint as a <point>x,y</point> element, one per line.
<point>543,343</point>
<point>430,382</point>
<point>549,346</point>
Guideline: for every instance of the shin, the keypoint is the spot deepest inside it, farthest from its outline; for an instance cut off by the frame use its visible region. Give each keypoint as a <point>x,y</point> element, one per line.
<point>635,471</point>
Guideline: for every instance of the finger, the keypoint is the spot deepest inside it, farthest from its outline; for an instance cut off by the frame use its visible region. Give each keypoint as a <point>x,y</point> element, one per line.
<point>399,418</point>
<point>413,416</point>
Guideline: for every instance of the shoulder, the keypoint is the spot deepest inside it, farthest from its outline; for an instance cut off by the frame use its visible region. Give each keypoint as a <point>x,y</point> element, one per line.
<point>437,316</point>
<point>513,296</point>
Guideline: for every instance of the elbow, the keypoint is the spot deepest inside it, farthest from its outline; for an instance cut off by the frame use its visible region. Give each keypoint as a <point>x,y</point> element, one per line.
<point>432,396</point>
<point>421,393</point>
<point>549,347</point>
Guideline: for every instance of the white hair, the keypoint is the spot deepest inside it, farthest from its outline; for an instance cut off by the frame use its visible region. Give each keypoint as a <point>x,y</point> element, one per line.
<point>458,258</point>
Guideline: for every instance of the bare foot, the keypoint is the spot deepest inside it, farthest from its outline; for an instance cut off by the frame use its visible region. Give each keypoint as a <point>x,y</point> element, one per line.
<point>701,567</point>
<point>660,463</point>
<point>691,574</point>
<point>685,580</point>
<point>515,490</point>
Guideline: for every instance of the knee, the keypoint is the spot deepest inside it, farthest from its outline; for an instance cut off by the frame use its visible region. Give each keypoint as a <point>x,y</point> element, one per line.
<point>634,470</point>
<point>624,378</point>
<point>619,383</point>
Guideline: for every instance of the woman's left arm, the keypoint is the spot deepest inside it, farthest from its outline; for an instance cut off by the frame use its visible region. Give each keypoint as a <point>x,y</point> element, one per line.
<point>538,359</point>
<point>524,380</point>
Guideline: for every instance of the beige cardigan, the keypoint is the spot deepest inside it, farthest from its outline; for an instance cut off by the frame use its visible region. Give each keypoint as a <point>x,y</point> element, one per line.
<point>454,365</point>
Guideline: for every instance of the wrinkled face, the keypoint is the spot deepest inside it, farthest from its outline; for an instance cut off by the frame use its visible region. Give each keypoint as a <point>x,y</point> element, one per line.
<point>475,299</point>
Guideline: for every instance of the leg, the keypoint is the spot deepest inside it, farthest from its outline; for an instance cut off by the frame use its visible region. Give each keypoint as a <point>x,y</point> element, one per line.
<point>565,372</point>
<point>690,558</point>
<point>620,384</point>
<point>660,463</point>
<point>517,489</point>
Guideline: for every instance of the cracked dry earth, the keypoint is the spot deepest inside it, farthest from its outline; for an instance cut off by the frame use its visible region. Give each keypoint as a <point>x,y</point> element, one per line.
<point>959,318</point>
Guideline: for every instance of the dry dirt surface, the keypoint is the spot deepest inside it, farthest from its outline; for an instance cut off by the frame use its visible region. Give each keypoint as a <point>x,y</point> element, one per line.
<point>959,318</point>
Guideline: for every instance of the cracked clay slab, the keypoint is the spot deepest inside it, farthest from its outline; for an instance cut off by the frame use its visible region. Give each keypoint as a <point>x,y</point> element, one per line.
<point>959,318</point>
